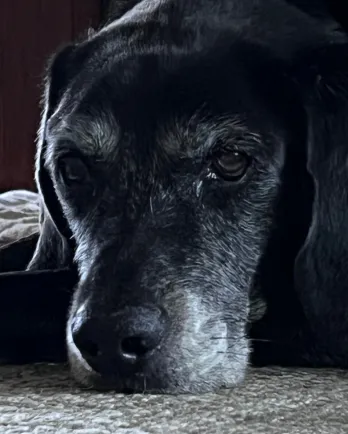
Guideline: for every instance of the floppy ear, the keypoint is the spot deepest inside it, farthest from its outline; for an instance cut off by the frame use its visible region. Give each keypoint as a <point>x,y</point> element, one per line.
<point>321,278</point>
<point>54,247</point>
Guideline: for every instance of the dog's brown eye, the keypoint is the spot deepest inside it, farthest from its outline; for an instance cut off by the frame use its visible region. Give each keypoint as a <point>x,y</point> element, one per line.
<point>231,166</point>
<point>73,170</point>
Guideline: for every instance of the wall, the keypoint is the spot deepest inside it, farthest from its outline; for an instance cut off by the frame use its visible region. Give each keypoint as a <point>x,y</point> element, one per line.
<point>29,31</point>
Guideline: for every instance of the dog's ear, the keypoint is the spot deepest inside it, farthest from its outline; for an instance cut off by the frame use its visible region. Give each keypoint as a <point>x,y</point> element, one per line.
<point>323,78</point>
<point>320,269</point>
<point>54,248</point>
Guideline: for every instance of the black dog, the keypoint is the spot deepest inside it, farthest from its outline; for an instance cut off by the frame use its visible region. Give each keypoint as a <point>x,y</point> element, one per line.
<point>192,165</point>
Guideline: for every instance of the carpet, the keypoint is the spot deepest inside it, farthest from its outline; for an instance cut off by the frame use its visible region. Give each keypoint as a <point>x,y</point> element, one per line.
<point>42,399</point>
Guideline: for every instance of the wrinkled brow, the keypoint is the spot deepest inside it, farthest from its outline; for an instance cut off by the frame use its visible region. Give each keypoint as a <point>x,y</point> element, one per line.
<point>194,137</point>
<point>95,136</point>
<point>197,136</point>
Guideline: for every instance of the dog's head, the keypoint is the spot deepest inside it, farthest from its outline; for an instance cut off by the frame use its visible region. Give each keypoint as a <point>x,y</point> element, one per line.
<point>159,166</point>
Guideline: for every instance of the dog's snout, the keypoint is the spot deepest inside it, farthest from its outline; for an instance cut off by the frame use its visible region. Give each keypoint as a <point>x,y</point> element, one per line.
<point>124,337</point>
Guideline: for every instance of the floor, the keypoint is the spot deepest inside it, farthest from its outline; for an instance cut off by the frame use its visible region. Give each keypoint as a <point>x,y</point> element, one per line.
<point>43,399</point>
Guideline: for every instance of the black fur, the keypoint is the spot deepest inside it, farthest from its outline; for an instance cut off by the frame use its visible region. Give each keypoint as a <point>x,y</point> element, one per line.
<point>170,254</point>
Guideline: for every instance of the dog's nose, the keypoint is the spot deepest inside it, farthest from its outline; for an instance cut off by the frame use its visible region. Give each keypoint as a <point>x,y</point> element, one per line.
<point>124,337</point>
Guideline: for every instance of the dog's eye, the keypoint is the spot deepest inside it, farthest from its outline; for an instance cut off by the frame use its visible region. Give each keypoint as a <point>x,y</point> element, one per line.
<point>231,165</point>
<point>72,170</point>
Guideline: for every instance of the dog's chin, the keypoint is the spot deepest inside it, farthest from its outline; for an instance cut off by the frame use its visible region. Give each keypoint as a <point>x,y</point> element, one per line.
<point>226,373</point>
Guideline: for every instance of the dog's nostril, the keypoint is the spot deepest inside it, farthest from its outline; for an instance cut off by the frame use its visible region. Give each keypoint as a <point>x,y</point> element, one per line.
<point>90,349</point>
<point>134,346</point>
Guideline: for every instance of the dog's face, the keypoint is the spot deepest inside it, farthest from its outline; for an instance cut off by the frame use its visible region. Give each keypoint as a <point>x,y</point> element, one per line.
<point>160,162</point>
<point>165,140</point>
<point>167,171</point>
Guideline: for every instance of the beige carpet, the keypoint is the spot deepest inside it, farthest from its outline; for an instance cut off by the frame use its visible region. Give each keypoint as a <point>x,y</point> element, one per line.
<point>43,399</point>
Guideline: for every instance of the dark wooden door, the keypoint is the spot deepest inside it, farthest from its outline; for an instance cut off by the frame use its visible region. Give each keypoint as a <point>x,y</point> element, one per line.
<point>29,31</point>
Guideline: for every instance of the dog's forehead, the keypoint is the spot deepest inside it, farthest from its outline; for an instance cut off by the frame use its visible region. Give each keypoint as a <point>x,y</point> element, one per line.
<point>101,136</point>
<point>119,108</point>
<point>165,104</point>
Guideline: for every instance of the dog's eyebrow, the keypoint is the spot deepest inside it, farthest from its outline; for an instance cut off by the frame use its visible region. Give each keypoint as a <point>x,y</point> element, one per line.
<point>197,136</point>
<point>93,135</point>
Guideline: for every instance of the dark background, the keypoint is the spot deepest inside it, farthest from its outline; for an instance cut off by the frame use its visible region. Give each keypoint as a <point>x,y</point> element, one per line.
<point>29,31</point>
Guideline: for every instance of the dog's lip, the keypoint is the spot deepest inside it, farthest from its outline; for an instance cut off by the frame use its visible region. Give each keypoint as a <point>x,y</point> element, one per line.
<point>138,383</point>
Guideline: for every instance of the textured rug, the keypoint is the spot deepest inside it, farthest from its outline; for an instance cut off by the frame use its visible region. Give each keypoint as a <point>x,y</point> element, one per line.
<point>43,400</point>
